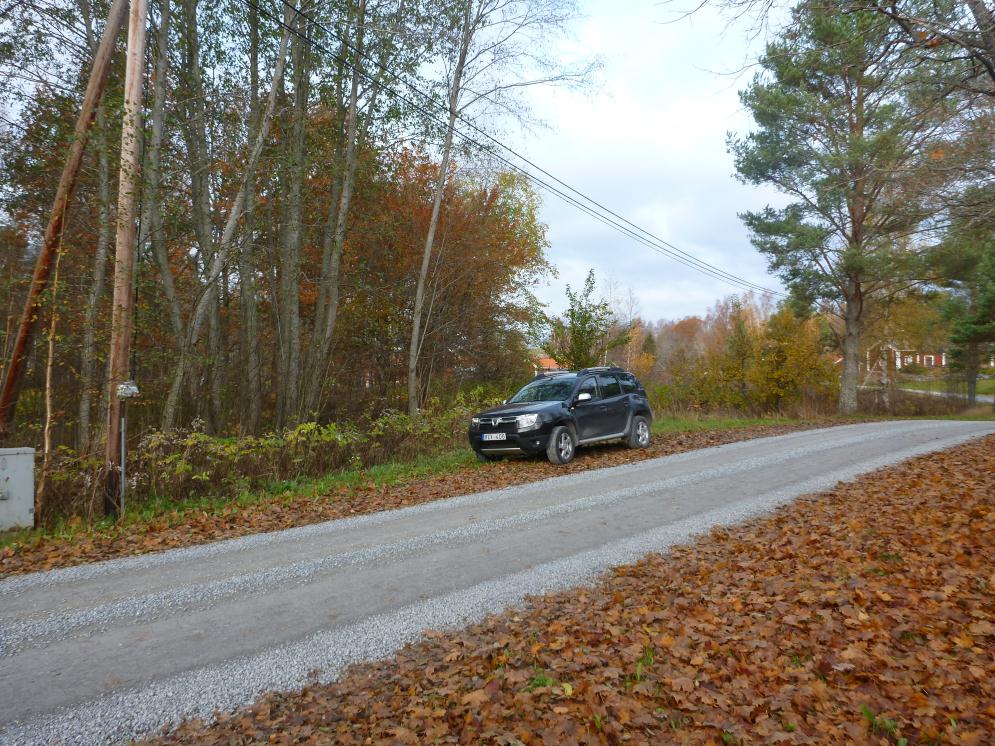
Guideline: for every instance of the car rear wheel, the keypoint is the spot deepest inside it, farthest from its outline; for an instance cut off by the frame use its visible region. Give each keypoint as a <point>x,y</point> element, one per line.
<point>562,445</point>
<point>639,433</point>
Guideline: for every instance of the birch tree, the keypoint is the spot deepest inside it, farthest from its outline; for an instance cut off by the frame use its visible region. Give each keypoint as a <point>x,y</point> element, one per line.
<point>220,257</point>
<point>251,408</point>
<point>493,49</point>
<point>88,361</point>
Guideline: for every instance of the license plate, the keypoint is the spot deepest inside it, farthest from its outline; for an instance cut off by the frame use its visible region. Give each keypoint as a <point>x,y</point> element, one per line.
<point>494,436</point>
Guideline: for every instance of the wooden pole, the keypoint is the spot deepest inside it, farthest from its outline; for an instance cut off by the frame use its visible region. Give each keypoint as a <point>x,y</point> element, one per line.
<point>63,194</point>
<point>124,256</point>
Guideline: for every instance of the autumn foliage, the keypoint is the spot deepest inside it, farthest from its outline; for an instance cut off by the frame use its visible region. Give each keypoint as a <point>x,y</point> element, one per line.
<point>861,615</point>
<point>741,357</point>
<point>490,253</point>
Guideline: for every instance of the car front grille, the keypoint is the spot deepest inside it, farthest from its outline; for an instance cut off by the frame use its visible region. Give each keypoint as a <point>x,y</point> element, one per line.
<point>498,424</point>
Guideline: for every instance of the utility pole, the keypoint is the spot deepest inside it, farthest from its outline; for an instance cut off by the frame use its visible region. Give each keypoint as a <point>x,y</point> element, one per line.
<point>129,182</point>
<point>63,194</point>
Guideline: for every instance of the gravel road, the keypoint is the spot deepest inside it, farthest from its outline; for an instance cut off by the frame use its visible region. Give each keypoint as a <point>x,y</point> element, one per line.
<point>105,652</point>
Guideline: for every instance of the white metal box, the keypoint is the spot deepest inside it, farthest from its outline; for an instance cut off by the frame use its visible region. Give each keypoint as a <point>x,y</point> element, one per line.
<point>17,488</point>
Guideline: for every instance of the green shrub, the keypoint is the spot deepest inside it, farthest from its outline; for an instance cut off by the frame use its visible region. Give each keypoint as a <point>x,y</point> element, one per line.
<point>183,464</point>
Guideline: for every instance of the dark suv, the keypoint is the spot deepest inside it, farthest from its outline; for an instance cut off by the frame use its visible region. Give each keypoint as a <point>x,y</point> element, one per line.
<point>557,412</point>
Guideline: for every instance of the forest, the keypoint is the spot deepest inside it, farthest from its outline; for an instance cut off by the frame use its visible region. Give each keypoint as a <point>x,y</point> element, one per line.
<point>276,284</point>
<point>330,246</point>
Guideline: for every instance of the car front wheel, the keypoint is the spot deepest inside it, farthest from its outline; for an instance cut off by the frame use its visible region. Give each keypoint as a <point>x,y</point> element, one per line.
<point>639,433</point>
<point>561,445</point>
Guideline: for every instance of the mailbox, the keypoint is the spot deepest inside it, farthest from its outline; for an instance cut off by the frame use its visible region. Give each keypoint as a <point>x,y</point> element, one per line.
<point>17,488</point>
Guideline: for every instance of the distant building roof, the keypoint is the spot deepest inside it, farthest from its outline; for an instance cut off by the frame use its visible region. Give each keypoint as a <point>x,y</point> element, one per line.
<point>546,363</point>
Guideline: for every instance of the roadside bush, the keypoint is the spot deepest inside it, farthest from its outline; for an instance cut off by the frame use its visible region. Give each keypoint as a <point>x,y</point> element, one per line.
<point>73,486</point>
<point>182,464</point>
<point>187,464</point>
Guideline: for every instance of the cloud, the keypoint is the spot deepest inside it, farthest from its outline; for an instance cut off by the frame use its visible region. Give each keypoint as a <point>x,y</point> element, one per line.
<point>650,144</point>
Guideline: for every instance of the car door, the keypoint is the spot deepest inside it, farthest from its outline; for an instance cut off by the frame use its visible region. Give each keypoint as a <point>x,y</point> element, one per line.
<point>615,403</point>
<point>589,415</point>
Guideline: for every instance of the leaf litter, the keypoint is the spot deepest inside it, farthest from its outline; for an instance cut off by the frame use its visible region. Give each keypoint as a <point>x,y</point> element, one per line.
<point>864,614</point>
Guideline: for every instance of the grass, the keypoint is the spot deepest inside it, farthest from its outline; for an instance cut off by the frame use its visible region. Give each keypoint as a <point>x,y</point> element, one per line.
<point>878,724</point>
<point>670,425</point>
<point>982,413</point>
<point>541,679</point>
<point>985,385</point>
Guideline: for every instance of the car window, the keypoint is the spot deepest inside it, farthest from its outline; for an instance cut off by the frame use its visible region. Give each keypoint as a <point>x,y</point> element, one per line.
<point>629,385</point>
<point>555,390</point>
<point>609,386</point>
<point>589,386</point>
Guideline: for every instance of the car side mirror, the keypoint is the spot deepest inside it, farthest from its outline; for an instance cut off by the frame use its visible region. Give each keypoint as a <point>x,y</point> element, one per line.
<point>583,396</point>
<point>504,401</point>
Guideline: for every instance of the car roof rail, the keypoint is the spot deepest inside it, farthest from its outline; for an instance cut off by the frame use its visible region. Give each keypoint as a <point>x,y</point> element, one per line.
<point>551,374</point>
<point>602,369</point>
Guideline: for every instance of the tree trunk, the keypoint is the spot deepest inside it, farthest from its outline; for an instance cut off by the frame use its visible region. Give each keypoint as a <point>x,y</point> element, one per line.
<point>327,303</point>
<point>49,368</point>
<point>248,308</point>
<point>852,316</point>
<point>196,134</point>
<point>227,237</point>
<point>290,255</point>
<point>215,370</point>
<point>88,354</point>
<point>985,19</point>
<point>154,209</point>
<point>972,365</point>
<point>63,195</point>
<point>327,309</point>
<point>152,223</point>
<point>195,131</point>
<point>455,88</point>
<point>122,309</point>
<point>886,379</point>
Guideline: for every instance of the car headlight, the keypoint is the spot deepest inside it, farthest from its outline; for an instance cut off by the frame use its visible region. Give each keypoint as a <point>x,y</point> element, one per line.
<point>528,421</point>
<point>474,423</point>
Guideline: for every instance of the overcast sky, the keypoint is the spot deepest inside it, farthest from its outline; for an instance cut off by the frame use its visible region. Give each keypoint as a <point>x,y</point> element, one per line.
<point>649,142</point>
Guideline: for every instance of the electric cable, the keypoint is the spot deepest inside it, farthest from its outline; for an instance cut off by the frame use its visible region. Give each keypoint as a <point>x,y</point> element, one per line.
<point>611,218</point>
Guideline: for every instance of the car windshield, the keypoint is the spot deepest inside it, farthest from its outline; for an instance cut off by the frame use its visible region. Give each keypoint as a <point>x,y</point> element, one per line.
<point>554,390</point>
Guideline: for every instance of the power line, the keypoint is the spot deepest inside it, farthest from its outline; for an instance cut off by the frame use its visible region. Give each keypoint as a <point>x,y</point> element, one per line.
<point>610,219</point>
<point>702,264</point>
<point>586,204</point>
